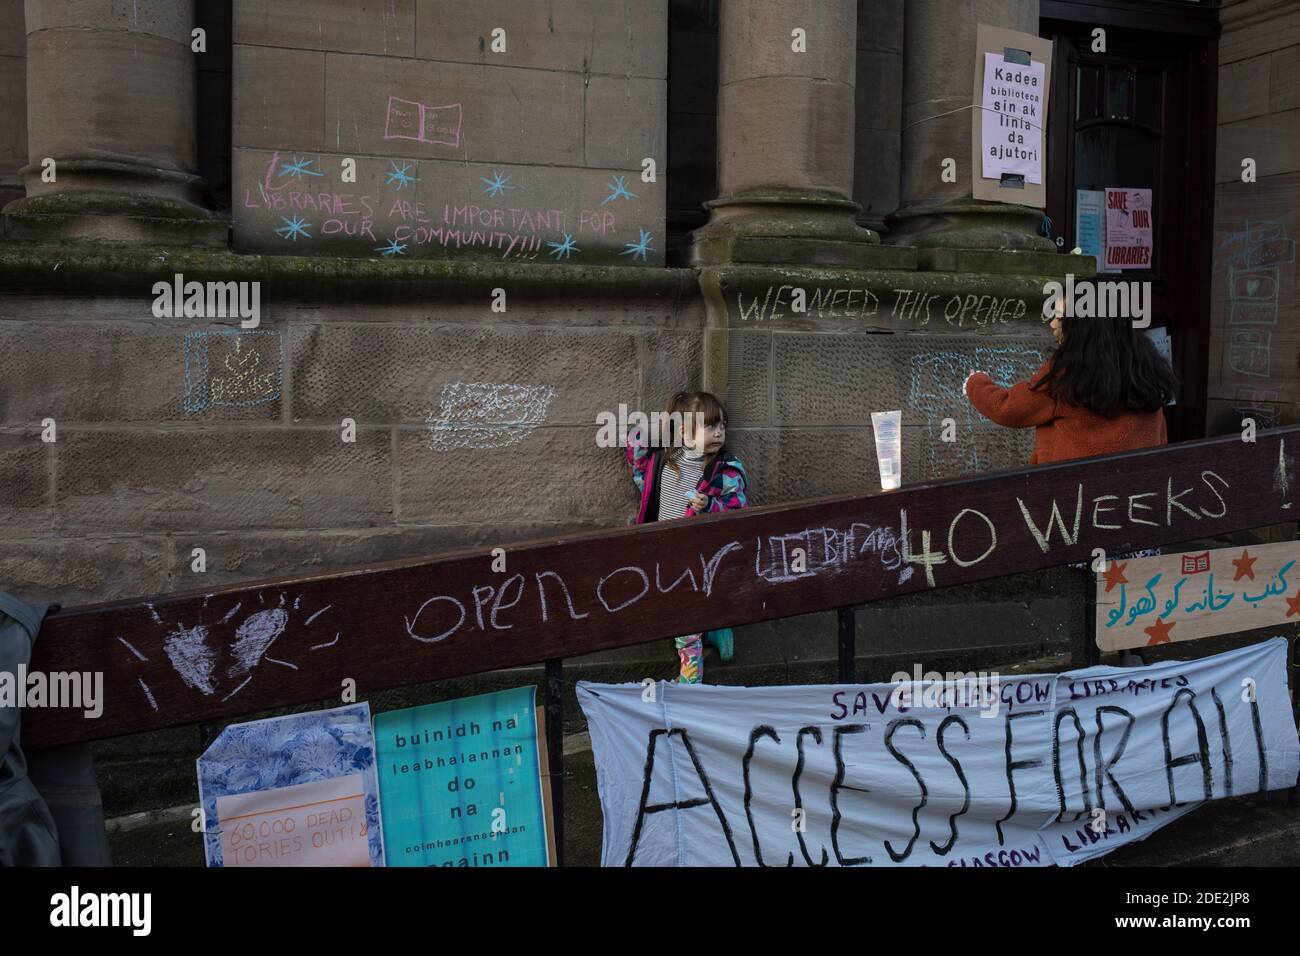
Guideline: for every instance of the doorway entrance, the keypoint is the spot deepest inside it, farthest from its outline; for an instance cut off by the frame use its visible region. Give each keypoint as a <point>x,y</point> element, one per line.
<point>1140,115</point>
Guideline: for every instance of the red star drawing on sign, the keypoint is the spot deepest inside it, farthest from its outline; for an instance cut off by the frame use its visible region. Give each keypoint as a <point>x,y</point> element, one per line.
<point>1245,566</point>
<point>1293,605</point>
<point>1115,575</point>
<point>1159,632</point>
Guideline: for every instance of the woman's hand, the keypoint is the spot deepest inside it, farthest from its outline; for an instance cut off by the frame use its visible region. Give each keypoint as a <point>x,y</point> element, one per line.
<point>966,383</point>
<point>699,502</point>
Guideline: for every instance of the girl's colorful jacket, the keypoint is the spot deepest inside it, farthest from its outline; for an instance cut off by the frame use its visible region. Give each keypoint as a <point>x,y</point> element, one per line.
<point>723,484</point>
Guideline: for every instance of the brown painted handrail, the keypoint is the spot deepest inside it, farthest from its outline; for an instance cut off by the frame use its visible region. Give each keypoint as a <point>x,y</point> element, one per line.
<point>209,654</point>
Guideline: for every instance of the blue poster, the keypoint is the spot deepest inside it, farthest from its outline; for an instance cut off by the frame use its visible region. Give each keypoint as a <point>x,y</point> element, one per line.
<point>460,782</point>
<point>1089,230</point>
<point>293,791</point>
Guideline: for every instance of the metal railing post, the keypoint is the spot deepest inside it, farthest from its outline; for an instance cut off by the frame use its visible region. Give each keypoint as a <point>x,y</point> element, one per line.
<point>846,640</point>
<point>555,749</point>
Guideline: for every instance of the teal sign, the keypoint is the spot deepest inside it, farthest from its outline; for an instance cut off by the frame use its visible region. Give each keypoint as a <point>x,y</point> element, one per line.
<point>460,782</point>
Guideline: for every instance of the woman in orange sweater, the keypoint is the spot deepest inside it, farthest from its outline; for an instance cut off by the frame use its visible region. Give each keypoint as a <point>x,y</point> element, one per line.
<point>1103,389</point>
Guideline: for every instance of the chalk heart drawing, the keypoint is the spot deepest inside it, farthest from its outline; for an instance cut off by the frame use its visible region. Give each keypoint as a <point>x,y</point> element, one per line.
<point>195,660</point>
<point>487,414</point>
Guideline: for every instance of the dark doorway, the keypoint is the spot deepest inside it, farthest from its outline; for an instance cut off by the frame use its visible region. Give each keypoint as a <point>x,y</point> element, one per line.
<point>1141,115</point>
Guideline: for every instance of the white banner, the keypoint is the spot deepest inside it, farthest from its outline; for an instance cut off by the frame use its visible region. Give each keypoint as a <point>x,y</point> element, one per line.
<point>1017,771</point>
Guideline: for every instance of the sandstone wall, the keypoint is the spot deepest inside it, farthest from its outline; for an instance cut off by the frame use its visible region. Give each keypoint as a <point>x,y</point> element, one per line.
<point>534,153</point>
<point>1254,367</point>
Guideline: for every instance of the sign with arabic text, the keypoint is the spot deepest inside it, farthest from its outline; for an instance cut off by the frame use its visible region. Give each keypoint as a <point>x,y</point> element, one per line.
<point>1180,597</point>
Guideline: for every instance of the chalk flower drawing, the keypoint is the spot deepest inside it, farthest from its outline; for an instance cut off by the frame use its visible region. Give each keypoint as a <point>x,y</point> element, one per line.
<point>638,248</point>
<point>487,414</point>
<point>401,175</point>
<point>293,228</point>
<point>497,184</point>
<point>299,168</point>
<point>618,189</point>
<point>394,248</point>
<point>563,250</point>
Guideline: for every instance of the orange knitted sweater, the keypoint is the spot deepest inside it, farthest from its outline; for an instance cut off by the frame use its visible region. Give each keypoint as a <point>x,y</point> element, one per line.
<point>1063,431</point>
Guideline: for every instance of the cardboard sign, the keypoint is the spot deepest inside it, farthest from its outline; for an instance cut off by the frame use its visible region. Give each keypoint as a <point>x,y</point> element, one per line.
<point>1028,770</point>
<point>1011,81</point>
<point>322,823</point>
<point>1128,229</point>
<point>462,782</point>
<point>1180,597</point>
<point>293,791</point>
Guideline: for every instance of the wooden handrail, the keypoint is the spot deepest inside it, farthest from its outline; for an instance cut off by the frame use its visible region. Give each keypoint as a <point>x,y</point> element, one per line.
<point>209,654</point>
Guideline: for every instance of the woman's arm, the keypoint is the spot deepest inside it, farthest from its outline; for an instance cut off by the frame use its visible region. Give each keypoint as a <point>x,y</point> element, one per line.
<point>1017,407</point>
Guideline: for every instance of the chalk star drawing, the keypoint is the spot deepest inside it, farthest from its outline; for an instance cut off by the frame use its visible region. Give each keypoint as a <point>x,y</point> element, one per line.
<point>293,228</point>
<point>401,175</point>
<point>619,186</point>
<point>638,248</point>
<point>563,249</point>
<point>497,184</point>
<point>394,248</point>
<point>298,168</point>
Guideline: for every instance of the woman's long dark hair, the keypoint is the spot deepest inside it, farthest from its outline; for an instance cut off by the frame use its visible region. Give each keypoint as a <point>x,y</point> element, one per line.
<point>1105,366</point>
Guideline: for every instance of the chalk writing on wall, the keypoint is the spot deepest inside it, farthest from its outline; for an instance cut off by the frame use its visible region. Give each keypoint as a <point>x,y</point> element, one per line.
<point>936,392</point>
<point>232,368</point>
<point>1254,403</point>
<point>568,596</point>
<point>487,414</point>
<point>1049,522</point>
<point>897,305</point>
<point>1256,256</point>
<point>399,208</point>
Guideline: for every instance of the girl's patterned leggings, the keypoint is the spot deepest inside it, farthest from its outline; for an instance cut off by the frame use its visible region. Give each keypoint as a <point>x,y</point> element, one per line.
<point>690,651</point>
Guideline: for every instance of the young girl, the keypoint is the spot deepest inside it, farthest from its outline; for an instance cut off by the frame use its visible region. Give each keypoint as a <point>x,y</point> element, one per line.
<point>1103,389</point>
<point>690,473</point>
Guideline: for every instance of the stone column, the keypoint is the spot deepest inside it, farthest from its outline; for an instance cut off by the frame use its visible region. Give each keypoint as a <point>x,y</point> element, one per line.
<point>110,99</point>
<point>938,68</point>
<point>785,138</point>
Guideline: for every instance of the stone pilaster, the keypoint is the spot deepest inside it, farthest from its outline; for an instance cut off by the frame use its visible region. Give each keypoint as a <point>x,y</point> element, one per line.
<point>111,100</point>
<point>785,140</point>
<point>938,66</point>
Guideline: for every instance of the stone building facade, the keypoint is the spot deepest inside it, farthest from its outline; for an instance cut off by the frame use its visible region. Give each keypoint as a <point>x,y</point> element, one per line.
<point>478,224</point>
